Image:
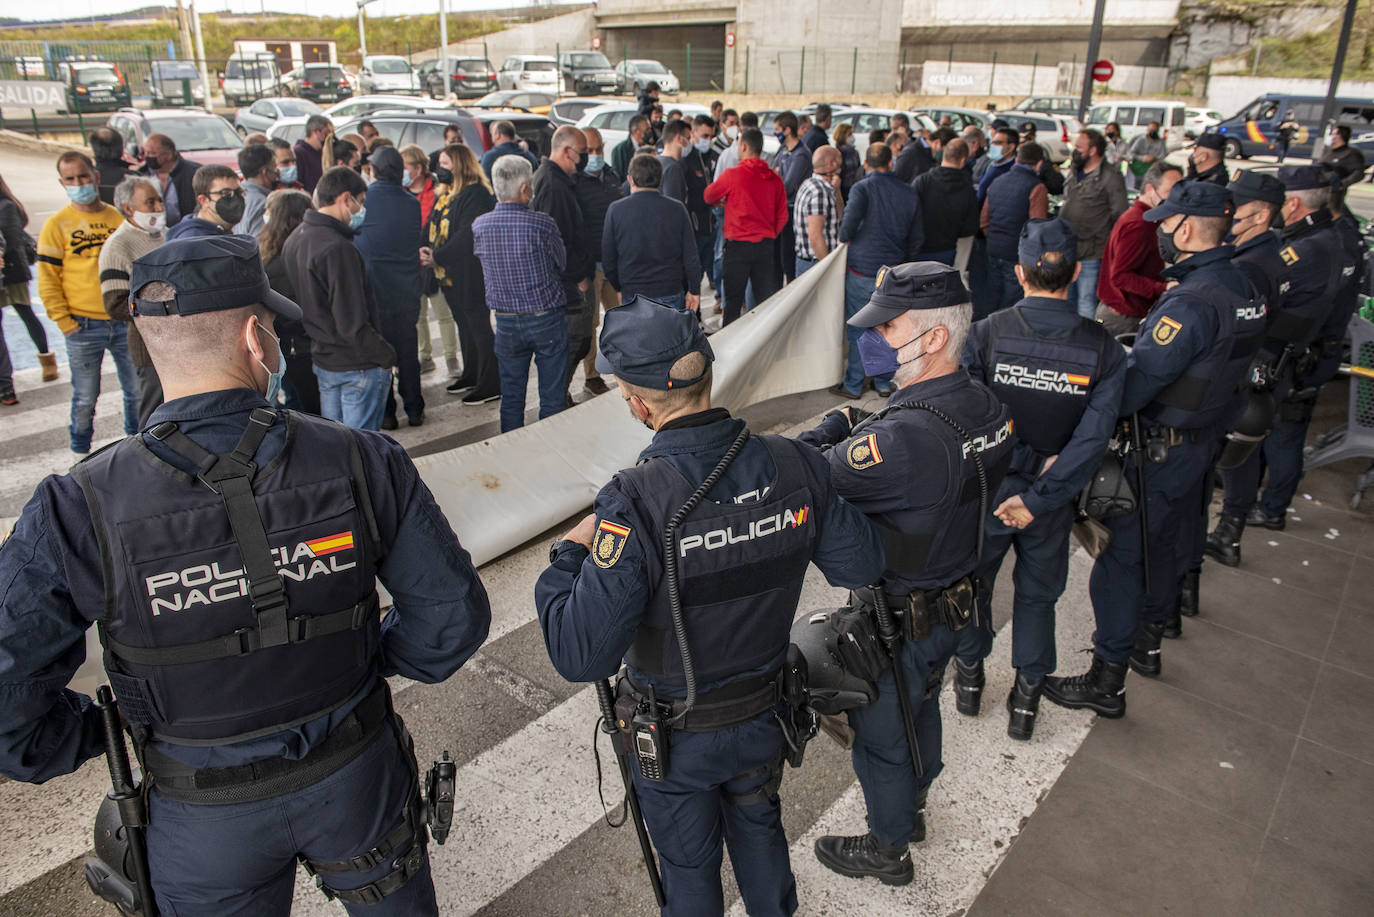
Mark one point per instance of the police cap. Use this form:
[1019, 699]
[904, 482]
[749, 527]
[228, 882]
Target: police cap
[642, 339]
[1304, 178]
[1256, 186]
[1196, 199]
[914, 285]
[209, 274]
[1041, 236]
[1211, 140]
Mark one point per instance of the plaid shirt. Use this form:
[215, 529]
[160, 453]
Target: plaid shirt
[815, 198]
[522, 258]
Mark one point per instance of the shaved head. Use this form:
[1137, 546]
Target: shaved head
[825, 158]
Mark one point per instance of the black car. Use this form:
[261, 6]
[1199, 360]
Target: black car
[94, 86]
[587, 73]
[469, 77]
[426, 129]
[169, 80]
[321, 83]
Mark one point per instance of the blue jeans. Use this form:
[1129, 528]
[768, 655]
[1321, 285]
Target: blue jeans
[542, 336]
[676, 300]
[858, 289]
[1003, 290]
[706, 254]
[355, 398]
[86, 348]
[804, 265]
[1083, 291]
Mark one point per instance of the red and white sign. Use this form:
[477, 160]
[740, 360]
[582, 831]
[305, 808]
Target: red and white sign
[1103, 70]
[729, 39]
[596, 42]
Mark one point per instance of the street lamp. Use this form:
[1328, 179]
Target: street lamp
[443, 44]
[362, 37]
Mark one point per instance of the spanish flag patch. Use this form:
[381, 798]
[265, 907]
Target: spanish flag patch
[863, 453]
[608, 543]
[330, 544]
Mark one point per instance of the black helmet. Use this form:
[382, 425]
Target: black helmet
[1250, 431]
[1108, 494]
[110, 872]
[830, 686]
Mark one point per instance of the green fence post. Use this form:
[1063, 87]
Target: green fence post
[992, 78]
[854, 72]
[901, 73]
[746, 69]
[801, 76]
[1035, 64]
[688, 87]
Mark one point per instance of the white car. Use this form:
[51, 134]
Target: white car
[361, 106]
[288, 129]
[1199, 120]
[535, 72]
[387, 73]
[613, 119]
[866, 120]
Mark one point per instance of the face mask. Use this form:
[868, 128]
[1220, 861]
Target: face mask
[582, 159]
[150, 222]
[1153, 135]
[406, 178]
[731, 132]
[287, 174]
[595, 163]
[82, 194]
[443, 176]
[230, 208]
[879, 357]
[266, 218]
[1078, 159]
[780, 136]
[1168, 249]
[356, 220]
[995, 153]
[151, 161]
[274, 378]
[703, 146]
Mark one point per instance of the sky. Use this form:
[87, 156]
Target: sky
[70, 9]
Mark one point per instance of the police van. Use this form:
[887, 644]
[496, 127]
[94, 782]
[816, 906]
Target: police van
[1254, 130]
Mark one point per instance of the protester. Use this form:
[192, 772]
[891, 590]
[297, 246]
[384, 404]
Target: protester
[140, 203]
[351, 357]
[977, 162]
[18, 255]
[309, 151]
[453, 133]
[69, 285]
[949, 204]
[107, 146]
[368, 130]
[1094, 198]
[420, 183]
[727, 131]
[625, 150]
[851, 168]
[257, 139]
[505, 142]
[459, 273]
[793, 165]
[913, 159]
[284, 157]
[1130, 282]
[258, 166]
[596, 187]
[1116, 146]
[523, 256]
[220, 202]
[389, 239]
[698, 166]
[819, 208]
[755, 214]
[648, 99]
[648, 247]
[554, 195]
[175, 175]
[1013, 198]
[817, 136]
[1347, 161]
[677, 139]
[286, 208]
[1145, 150]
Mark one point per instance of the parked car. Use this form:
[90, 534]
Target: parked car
[362, 106]
[586, 73]
[288, 129]
[960, 118]
[468, 78]
[810, 107]
[426, 129]
[1050, 105]
[387, 73]
[93, 85]
[1051, 132]
[1200, 120]
[865, 120]
[633, 75]
[168, 81]
[1134, 117]
[250, 76]
[613, 119]
[199, 135]
[319, 83]
[515, 99]
[262, 114]
[529, 71]
[570, 111]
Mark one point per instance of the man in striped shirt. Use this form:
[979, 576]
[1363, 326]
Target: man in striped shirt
[818, 208]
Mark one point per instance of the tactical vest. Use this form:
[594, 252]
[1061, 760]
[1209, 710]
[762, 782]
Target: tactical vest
[740, 568]
[1260, 261]
[235, 606]
[1044, 381]
[1311, 248]
[1207, 392]
[1008, 210]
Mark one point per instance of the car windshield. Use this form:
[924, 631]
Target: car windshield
[241, 69]
[471, 63]
[295, 108]
[593, 59]
[650, 66]
[175, 70]
[539, 65]
[199, 132]
[96, 75]
[390, 65]
[322, 73]
[492, 100]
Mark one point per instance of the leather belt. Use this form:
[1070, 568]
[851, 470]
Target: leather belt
[729, 705]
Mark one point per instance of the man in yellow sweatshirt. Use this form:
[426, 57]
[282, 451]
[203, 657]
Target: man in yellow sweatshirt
[69, 285]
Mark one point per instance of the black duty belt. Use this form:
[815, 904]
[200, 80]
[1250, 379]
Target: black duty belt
[272, 776]
[730, 705]
[952, 605]
[1173, 436]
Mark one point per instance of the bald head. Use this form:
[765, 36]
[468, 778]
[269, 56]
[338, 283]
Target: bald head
[826, 159]
[567, 147]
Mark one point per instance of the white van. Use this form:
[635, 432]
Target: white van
[1134, 115]
[248, 77]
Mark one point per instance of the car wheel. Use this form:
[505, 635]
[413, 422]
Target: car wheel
[1233, 149]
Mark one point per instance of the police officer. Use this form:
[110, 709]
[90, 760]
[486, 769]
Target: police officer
[228, 555]
[925, 470]
[1062, 378]
[740, 555]
[1184, 380]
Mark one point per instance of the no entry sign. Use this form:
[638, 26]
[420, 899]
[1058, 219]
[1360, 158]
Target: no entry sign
[1103, 70]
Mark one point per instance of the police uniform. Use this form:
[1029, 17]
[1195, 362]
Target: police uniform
[1217, 174]
[914, 470]
[1184, 380]
[1062, 378]
[741, 554]
[228, 555]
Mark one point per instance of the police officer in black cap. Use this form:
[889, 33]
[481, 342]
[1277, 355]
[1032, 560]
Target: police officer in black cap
[229, 556]
[1185, 381]
[1062, 377]
[925, 470]
[748, 514]
[1208, 161]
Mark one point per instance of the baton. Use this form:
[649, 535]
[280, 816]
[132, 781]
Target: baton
[622, 754]
[133, 812]
[1138, 447]
[891, 635]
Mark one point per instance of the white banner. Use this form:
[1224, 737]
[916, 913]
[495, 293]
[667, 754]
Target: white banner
[40, 95]
[502, 491]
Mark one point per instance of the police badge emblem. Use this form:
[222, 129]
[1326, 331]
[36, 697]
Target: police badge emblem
[608, 543]
[863, 453]
[1166, 330]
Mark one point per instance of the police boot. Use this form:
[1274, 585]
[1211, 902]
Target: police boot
[1173, 625]
[1145, 658]
[1272, 523]
[1023, 703]
[918, 833]
[1223, 544]
[1187, 597]
[865, 855]
[968, 687]
[1101, 689]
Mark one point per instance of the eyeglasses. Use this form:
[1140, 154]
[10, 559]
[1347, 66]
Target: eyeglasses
[225, 192]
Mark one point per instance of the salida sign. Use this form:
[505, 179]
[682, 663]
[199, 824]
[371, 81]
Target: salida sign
[40, 95]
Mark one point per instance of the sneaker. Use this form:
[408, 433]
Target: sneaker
[844, 392]
[8, 397]
[595, 385]
[479, 398]
[884, 388]
[864, 855]
[426, 366]
[458, 386]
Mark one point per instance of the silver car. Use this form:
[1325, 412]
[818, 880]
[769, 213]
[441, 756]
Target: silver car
[262, 115]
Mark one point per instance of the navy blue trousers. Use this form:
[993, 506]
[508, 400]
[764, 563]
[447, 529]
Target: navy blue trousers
[1281, 456]
[239, 860]
[690, 818]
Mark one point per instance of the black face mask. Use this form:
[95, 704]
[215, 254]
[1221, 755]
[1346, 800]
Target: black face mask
[582, 161]
[1168, 249]
[229, 208]
[1078, 159]
[443, 176]
[1153, 135]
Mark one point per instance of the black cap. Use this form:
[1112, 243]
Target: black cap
[1211, 140]
[1027, 126]
[209, 274]
[914, 285]
[387, 165]
[1041, 236]
[1196, 199]
[1304, 178]
[641, 340]
[1255, 186]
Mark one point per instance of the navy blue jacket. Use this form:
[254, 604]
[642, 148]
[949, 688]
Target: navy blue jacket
[1008, 202]
[590, 613]
[192, 226]
[52, 591]
[509, 148]
[994, 171]
[648, 247]
[815, 138]
[390, 240]
[794, 166]
[882, 224]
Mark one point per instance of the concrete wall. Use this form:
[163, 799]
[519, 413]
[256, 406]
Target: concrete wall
[975, 78]
[571, 31]
[817, 47]
[926, 13]
[1227, 94]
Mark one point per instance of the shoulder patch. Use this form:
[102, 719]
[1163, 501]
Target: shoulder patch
[608, 543]
[863, 453]
[1166, 330]
[1289, 255]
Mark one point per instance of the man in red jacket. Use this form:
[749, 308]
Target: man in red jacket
[755, 212]
[1130, 281]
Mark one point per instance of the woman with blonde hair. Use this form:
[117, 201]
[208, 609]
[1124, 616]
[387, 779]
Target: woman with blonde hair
[419, 182]
[460, 273]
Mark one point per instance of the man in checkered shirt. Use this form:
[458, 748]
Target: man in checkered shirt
[818, 209]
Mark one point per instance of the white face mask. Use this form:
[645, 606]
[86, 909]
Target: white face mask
[150, 222]
[731, 132]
